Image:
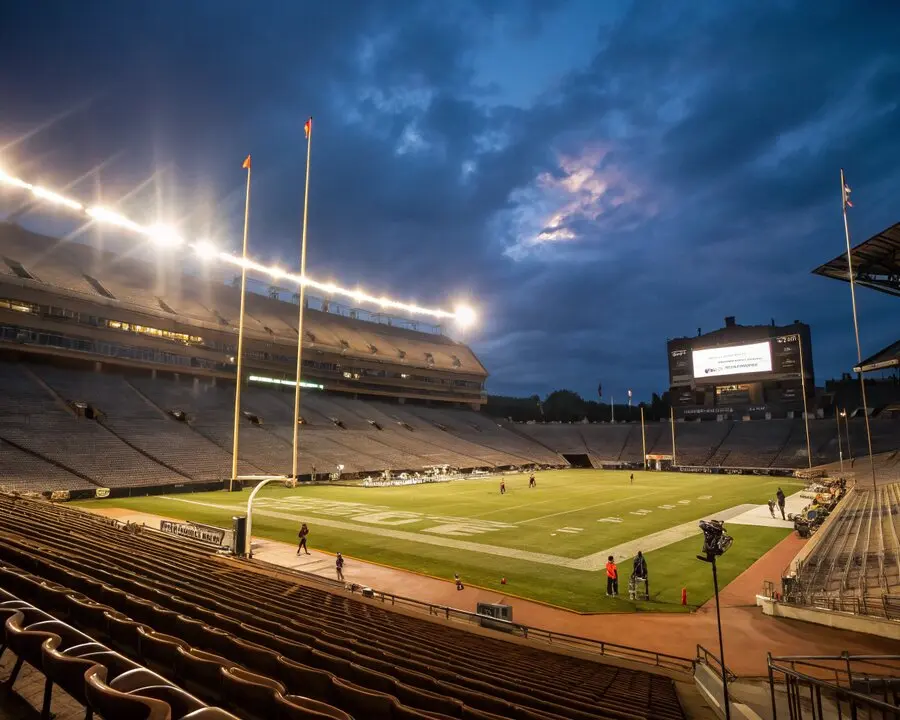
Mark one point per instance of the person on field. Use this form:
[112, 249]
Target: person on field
[339, 567]
[612, 578]
[458, 580]
[503, 487]
[639, 567]
[772, 508]
[304, 531]
[780, 497]
[532, 483]
[632, 478]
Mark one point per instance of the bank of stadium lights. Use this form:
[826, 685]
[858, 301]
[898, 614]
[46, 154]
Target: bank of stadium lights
[164, 236]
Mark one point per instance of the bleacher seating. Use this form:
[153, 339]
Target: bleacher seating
[210, 626]
[136, 441]
[857, 554]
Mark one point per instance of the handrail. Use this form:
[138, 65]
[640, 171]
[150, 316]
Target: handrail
[704, 656]
[843, 690]
[600, 647]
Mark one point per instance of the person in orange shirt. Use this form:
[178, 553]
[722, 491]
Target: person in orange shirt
[612, 577]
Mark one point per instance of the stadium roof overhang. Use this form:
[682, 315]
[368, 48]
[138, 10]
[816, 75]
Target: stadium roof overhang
[876, 263]
[887, 358]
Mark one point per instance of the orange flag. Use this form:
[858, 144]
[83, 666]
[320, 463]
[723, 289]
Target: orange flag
[307, 127]
[246, 165]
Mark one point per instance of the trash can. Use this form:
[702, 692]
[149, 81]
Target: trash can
[239, 535]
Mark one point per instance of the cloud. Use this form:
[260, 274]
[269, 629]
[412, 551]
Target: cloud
[676, 164]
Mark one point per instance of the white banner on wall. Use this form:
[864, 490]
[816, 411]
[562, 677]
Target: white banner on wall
[734, 360]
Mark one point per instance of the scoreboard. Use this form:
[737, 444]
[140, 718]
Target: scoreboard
[741, 366]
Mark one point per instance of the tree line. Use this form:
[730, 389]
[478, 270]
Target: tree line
[569, 406]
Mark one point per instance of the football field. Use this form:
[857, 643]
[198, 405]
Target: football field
[550, 542]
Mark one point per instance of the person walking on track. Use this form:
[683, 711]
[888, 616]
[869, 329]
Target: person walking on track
[304, 531]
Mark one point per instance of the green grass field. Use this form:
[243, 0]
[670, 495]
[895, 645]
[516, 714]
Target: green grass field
[545, 541]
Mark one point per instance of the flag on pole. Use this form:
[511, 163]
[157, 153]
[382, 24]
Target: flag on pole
[246, 165]
[307, 127]
[847, 202]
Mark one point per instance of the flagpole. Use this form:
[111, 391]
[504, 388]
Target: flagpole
[240, 346]
[643, 437]
[612, 409]
[862, 382]
[805, 411]
[296, 443]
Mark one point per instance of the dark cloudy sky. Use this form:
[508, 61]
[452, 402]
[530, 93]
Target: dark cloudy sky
[597, 176]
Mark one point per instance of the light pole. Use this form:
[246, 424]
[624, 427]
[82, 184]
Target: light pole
[672, 423]
[805, 410]
[847, 430]
[643, 437]
[837, 420]
[715, 543]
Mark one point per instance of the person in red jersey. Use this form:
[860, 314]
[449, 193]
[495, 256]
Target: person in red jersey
[612, 577]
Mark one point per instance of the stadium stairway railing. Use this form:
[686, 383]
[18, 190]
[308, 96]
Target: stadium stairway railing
[854, 686]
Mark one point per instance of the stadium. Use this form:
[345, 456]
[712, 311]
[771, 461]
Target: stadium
[147, 568]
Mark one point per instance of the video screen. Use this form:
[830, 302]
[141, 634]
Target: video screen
[734, 360]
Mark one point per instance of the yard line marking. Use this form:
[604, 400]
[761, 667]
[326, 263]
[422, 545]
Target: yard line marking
[542, 558]
[589, 563]
[589, 507]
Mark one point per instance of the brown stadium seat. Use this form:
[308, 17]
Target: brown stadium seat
[24, 642]
[251, 695]
[314, 683]
[66, 671]
[201, 672]
[362, 703]
[110, 703]
[180, 702]
[297, 707]
[157, 651]
[123, 633]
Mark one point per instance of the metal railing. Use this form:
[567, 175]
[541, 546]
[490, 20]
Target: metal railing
[563, 640]
[886, 606]
[714, 663]
[819, 686]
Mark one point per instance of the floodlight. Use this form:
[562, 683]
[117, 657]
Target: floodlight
[465, 316]
[55, 198]
[205, 249]
[165, 236]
